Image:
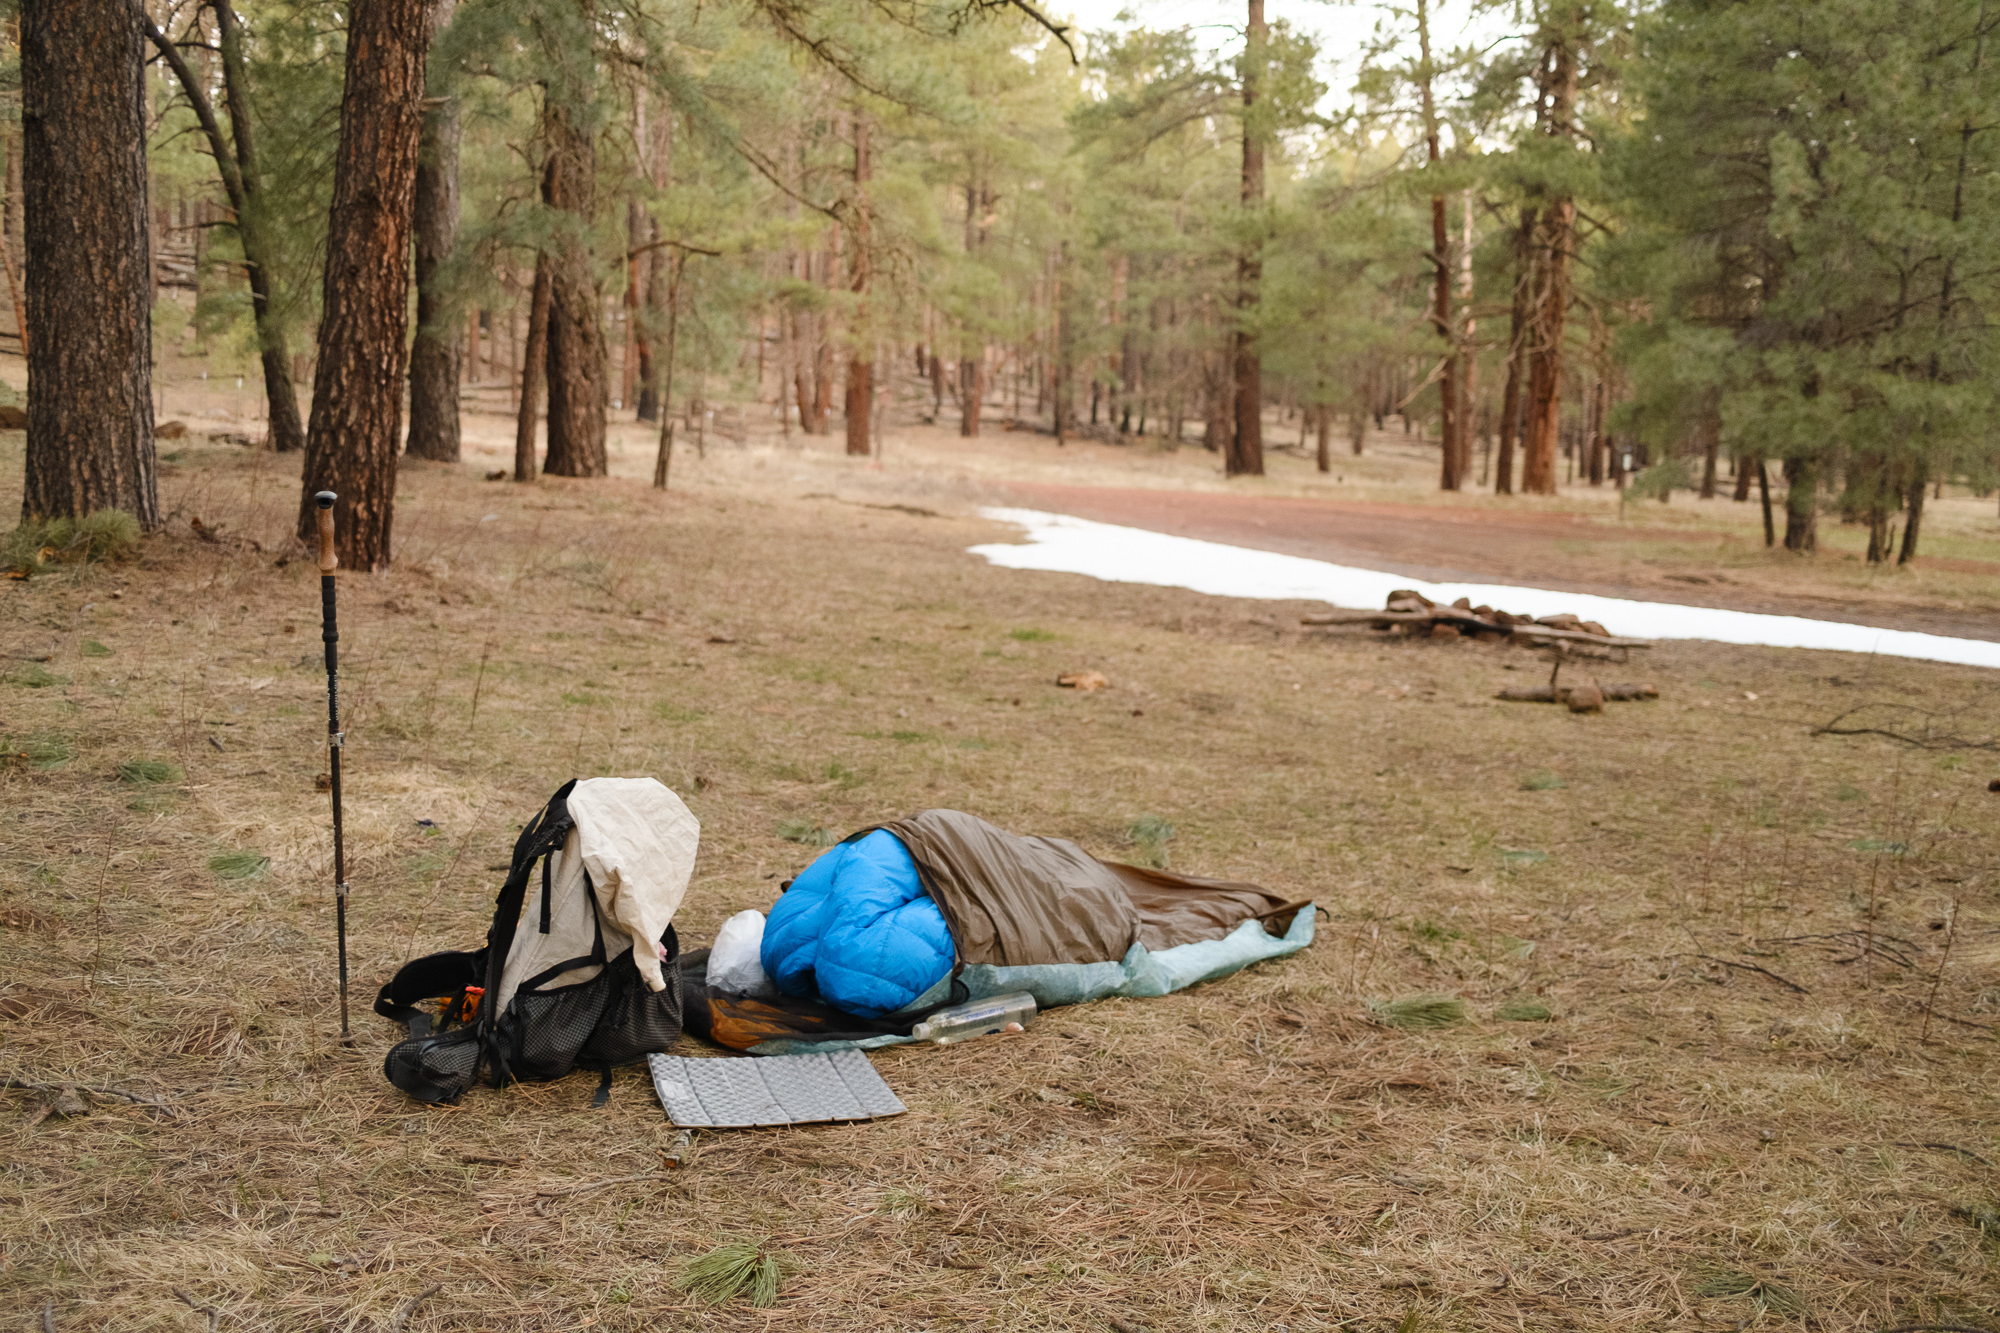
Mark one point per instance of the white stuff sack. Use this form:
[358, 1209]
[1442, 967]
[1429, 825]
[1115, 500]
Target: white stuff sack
[735, 964]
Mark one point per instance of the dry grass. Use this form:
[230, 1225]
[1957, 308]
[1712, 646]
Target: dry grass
[1735, 1096]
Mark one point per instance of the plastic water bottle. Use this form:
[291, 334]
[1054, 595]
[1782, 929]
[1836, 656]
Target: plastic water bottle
[963, 1022]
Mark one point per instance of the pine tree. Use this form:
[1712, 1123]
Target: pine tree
[89, 260]
[352, 438]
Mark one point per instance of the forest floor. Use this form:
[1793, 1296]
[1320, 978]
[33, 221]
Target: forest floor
[1763, 1091]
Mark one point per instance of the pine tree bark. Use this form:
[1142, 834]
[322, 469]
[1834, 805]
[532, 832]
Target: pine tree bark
[1554, 248]
[1919, 481]
[434, 359]
[89, 261]
[860, 366]
[357, 392]
[1802, 504]
[1510, 398]
[972, 369]
[1244, 454]
[530, 406]
[1451, 455]
[578, 361]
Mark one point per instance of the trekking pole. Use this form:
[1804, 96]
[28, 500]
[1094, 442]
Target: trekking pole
[329, 631]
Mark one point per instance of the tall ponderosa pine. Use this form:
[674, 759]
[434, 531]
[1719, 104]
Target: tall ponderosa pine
[354, 433]
[89, 260]
[578, 358]
[238, 166]
[861, 359]
[434, 356]
[1243, 452]
[1552, 245]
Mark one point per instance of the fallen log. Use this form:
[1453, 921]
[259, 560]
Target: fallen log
[1444, 615]
[1559, 694]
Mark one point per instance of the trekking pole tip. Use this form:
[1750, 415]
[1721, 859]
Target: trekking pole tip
[328, 561]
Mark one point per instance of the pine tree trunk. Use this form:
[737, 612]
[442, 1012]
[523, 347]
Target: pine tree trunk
[286, 428]
[1545, 350]
[1801, 504]
[1919, 480]
[357, 393]
[860, 366]
[243, 182]
[1244, 455]
[578, 362]
[530, 406]
[89, 261]
[1554, 248]
[434, 359]
[1510, 398]
[660, 145]
[1600, 443]
[1450, 454]
[635, 338]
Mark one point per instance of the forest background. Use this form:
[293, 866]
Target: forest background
[1678, 243]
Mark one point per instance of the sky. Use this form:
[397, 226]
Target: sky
[1344, 27]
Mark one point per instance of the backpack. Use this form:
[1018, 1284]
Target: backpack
[589, 1010]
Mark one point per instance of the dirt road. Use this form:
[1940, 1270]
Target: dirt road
[1544, 550]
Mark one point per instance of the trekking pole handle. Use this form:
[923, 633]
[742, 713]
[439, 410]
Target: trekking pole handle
[328, 561]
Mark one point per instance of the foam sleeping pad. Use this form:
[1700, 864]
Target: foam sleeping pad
[857, 930]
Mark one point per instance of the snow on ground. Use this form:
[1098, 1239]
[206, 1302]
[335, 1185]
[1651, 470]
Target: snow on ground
[1061, 544]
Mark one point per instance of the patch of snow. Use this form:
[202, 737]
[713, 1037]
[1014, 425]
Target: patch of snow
[1061, 544]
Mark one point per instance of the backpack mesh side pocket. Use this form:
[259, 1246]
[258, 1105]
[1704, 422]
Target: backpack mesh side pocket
[636, 1020]
[437, 1068]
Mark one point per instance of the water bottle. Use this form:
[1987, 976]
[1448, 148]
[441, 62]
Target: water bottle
[963, 1022]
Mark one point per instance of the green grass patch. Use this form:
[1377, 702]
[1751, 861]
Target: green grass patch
[667, 711]
[728, 1271]
[1766, 1293]
[239, 865]
[40, 545]
[806, 833]
[1524, 1009]
[1150, 834]
[35, 676]
[92, 648]
[1031, 636]
[41, 751]
[148, 772]
[1543, 781]
[1419, 1013]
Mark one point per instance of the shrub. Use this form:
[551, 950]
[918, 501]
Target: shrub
[40, 544]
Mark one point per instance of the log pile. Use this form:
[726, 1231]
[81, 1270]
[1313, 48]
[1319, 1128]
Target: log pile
[1412, 613]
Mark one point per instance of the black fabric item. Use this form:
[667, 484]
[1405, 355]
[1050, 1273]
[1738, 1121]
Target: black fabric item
[427, 978]
[742, 1022]
[609, 1020]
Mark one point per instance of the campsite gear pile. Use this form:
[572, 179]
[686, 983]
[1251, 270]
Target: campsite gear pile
[939, 927]
[581, 966]
[1411, 613]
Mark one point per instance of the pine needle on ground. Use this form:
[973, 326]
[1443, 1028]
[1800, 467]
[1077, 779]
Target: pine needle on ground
[1418, 1013]
[729, 1270]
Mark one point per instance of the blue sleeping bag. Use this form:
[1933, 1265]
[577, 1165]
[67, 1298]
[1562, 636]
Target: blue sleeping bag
[857, 930]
